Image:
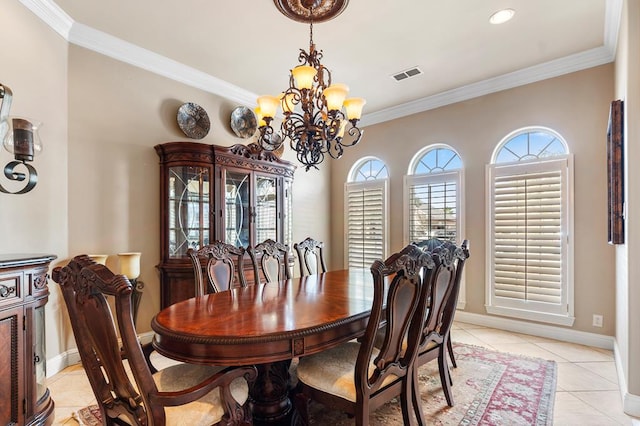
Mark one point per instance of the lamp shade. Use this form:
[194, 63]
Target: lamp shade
[268, 105]
[99, 258]
[286, 99]
[259, 117]
[335, 95]
[303, 75]
[130, 264]
[354, 108]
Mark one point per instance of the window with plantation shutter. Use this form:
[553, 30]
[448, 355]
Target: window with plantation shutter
[529, 218]
[433, 195]
[366, 214]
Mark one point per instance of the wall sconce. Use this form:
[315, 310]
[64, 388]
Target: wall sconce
[20, 137]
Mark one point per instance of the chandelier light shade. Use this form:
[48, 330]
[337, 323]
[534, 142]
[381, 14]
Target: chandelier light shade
[316, 112]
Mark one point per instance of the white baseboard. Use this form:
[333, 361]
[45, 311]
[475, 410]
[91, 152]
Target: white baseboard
[630, 402]
[72, 357]
[536, 329]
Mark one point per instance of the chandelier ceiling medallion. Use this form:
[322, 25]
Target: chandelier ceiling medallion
[313, 122]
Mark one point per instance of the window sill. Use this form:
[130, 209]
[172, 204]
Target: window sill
[549, 318]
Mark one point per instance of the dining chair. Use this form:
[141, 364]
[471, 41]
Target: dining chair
[270, 261]
[430, 245]
[222, 271]
[449, 261]
[310, 256]
[356, 377]
[180, 394]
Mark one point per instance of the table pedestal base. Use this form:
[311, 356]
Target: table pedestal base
[269, 394]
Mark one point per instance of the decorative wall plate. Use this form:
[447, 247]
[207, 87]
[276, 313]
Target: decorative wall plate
[193, 120]
[243, 122]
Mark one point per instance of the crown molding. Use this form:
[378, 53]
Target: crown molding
[108, 45]
[103, 43]
[51, 14]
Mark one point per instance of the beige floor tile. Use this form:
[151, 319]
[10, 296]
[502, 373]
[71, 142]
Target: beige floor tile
[64, 416]
[608, 403]
[572, 377]
[577, 353]
[466, 325]
[606, 369]
[528, 349]
[572, 411]
[71, 390]
[491, 336]
[463, 336]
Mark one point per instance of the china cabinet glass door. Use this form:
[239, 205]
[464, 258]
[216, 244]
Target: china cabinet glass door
[266, 214]
[188, 209]
[236, 208]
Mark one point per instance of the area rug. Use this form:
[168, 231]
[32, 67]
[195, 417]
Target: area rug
[489, 388]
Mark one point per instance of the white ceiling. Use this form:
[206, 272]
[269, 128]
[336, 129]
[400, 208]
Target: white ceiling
[242, 48]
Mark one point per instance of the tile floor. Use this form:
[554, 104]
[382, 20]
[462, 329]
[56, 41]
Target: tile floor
[587, 391]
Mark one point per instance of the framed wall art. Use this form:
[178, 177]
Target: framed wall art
[615, 173]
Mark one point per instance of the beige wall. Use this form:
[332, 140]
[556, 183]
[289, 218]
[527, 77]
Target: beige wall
[574, 105]
[627, 331]
[34, 65]
[117, 113]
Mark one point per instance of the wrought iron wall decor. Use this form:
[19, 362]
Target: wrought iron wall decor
[20, 137]
[615, 173]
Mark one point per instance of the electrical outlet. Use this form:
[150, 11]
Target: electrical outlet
[597, 320]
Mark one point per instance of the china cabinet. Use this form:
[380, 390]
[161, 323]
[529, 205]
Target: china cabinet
[23, 294]
[240, 195]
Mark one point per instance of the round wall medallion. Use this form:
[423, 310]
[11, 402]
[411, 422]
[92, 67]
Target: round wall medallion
[243, 122]
[323, 10]
[193, 120]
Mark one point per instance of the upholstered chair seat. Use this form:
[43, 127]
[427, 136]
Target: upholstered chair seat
[332, 371]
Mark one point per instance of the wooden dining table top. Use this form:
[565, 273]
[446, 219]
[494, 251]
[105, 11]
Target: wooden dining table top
[267, 322]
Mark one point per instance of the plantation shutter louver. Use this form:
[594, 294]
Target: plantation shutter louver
[365, 223]
[528, 237]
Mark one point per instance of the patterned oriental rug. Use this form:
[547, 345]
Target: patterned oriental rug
[489, 388]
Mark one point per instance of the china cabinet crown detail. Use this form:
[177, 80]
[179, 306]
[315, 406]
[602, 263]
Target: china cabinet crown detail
[240, 195]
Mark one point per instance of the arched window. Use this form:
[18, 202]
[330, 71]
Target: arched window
[366, 213]
[433, 194]
[530, 226]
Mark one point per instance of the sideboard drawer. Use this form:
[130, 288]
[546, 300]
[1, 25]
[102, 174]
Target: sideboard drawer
[11, 287]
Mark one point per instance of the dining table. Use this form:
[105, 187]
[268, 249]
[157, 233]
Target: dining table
[267, 325]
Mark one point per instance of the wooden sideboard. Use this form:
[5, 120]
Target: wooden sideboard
[24, 397]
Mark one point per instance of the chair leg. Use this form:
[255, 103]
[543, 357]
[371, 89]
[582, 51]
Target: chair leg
[445, 377]
[301, 408]
[416, 402]
[407, 401]
[450, 350]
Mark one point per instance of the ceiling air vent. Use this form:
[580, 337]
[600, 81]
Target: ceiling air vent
[403, 75]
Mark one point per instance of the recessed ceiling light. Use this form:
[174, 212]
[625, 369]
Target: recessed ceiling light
[502, 16]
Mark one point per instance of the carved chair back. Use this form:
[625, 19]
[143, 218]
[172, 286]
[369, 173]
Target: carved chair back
[223, 267]
[270, 261]
[443, 289]
[84, 285]
[310, 256]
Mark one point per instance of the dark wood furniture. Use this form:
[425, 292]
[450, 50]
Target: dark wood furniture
[240, 195]
[24, 397]
[357, 377]
[270, 260]
[443, 291]
[310, 256]
[180, 394]
[267, 325]
[221, 271]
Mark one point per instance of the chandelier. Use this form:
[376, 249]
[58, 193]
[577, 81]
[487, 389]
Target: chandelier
[314, 123]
